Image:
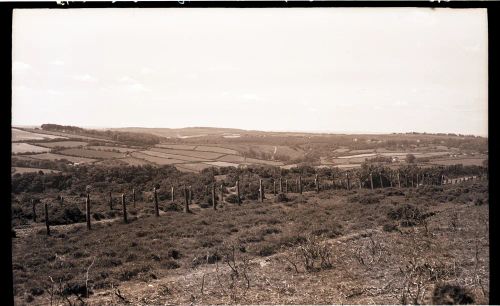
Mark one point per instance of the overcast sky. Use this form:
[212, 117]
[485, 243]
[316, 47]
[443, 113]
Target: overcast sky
[296, 69]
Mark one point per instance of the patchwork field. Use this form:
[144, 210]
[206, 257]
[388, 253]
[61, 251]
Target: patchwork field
[193, 153]
[52, 135]
[222, 164]
[176, 147]
[53, 156]
[155, 159]
[92, 153]
[111, 148]
[21, 135]
[175, 156]
[21, 147]
[215, 149]
[62, 144]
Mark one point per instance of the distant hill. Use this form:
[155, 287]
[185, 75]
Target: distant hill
[185, 132]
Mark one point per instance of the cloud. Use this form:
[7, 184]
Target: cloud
[20, 66]
[252, 97]
[400, 103]
[85, 78]
[138, 87]
[192, 76]
[57, 63]
[54, 92]
[146, 70]
[127, 79]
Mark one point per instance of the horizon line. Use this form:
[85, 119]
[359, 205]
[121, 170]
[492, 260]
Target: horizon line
[330, 132]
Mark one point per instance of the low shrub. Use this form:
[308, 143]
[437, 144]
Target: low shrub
[408, 215]
[266, 249]
[170, 264]
[232, 198]
[390, 227]
[446, 294]
[281, 197]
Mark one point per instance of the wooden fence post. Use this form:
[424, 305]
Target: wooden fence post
[47, 219]
[316, 183]
[222, 193]
[300, 184]
[157, 211]
[261, 191]
[62, 200]
[281, 185]
[399, 180]
[172, 194]
[214, 201]
[381, 181]
[186, 204]
[124, 205]
[238, 192]
[110, 201]
[87, 211]
[360, 184]
[286, 186]
[348, 182]
[133, 196]
[34, 209]
[190, 195]
[371, 180]
[274, 187]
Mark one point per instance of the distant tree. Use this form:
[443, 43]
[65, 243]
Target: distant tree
[410, 158]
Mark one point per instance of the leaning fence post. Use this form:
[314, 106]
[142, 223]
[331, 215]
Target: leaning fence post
[87, 211]
[371, 180]
[124, 205]
[186, 196]
[261, 191]
[155, 197]
[47, 219]
[238, 192]
[214, 201]
[34, 209]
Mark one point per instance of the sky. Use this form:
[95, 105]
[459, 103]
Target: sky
[375, 70]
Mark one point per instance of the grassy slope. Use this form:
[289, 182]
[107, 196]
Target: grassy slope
[159, 260]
